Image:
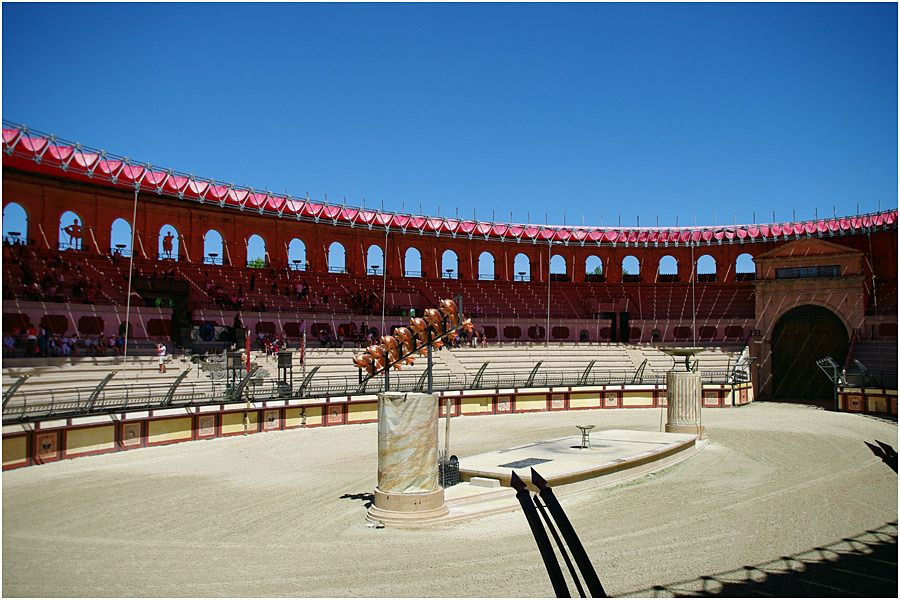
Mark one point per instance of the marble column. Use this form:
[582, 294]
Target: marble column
[684, 394]
[408, 488]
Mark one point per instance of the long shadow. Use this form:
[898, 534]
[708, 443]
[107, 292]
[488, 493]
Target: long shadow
[366, 497]
[864, 565]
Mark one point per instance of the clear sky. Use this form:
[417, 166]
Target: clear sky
[706, 111]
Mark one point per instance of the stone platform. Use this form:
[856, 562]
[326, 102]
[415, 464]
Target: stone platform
[564, 461]
[616, 455]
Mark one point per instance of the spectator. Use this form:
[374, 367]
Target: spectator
[161, 354]
[31, 337]
[9, 345]
[43, 341]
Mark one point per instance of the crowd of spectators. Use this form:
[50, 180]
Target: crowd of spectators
[53, 279]
[31, 342]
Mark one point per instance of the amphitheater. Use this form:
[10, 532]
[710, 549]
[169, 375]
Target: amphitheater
[249, 473]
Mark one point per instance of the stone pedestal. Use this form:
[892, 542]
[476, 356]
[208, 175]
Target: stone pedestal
[684, 394]
[408, 489]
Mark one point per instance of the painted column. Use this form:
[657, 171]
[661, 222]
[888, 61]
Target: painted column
[684, 393]
[408, 489]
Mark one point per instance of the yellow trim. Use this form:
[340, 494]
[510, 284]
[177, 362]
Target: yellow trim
[90, 439]
[475, 404]
[642, 398]
[15, 450]
[531, 402]
[167, 430]
[233, 422]
[585, 400]
[362, 411]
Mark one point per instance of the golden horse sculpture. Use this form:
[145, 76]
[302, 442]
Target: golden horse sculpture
[443, 322]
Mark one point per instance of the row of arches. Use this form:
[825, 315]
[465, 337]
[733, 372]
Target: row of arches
[71, 235]
[668, 265]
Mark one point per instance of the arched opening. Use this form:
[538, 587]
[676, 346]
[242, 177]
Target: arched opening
[558, 268]
[593, 269]
[631, 269]
[668, 269]
[15, 223]
[375, 260]
[745, 267]
[256, 252]
[802, 336]
[336, 258]
[449, 265]
[120, 238]
[706, 268]
[213, 247]
[168, 242]
[522, 267]
[297, 255]
[412, 263]
[486, 266]
[71, 231]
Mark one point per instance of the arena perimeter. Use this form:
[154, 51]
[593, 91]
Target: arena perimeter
[282, 515]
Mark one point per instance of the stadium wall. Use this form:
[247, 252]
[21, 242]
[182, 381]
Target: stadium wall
[52, 440]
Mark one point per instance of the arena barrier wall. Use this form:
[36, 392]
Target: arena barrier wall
[51, 440]
[867, 400]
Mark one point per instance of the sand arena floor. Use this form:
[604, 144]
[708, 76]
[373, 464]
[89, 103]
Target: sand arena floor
[281, 514]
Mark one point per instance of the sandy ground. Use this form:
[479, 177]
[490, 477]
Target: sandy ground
[268, 514]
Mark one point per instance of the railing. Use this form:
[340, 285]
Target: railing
[27, 406]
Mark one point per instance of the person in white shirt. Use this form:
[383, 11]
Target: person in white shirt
[161, 353]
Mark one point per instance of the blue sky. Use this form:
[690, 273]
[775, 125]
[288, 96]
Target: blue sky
[701, 111]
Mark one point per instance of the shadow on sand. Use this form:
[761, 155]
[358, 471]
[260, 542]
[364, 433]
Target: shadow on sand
[864, 565]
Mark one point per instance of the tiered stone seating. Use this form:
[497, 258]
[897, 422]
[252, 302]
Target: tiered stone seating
[880, 359]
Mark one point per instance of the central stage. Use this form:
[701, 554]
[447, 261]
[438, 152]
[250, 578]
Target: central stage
[563, 460]
[615, 455]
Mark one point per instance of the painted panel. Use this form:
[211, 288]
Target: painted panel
[47, 446]
[531, 402]
[362, 411]
[710, 398]
[878, 404]
[233, 422]
[131, 434]
[15, 450]
[584, 400]
[90, 439]
[854, 402]
[504, 404]
[642, 398]
[334, 415]
[206, 425]
[169, 430]
[272, 419]
[472, 405]
[557, 402]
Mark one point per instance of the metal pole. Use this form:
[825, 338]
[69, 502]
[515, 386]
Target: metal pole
[303, 355]
[130, 271]
[428, 368]
[693, 296]
[384, 259]
[549, 266]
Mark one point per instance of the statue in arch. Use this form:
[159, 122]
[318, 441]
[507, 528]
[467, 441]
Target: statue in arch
[74, 231]
[167, 244]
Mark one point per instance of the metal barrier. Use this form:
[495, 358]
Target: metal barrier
[23, 405]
